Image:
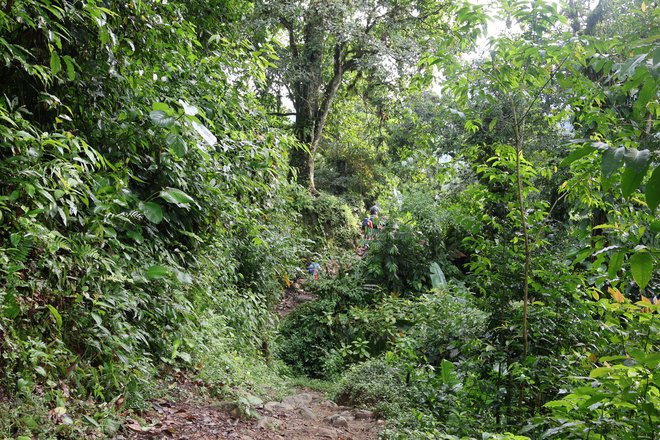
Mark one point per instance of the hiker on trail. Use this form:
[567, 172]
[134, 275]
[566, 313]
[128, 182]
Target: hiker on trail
[314, 268]
[367, 227]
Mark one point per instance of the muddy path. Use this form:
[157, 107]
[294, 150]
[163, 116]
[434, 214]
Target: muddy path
[305, 415]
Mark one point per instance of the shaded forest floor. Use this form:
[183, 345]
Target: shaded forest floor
[305, 414]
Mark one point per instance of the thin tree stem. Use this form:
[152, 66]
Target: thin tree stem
[523, 224]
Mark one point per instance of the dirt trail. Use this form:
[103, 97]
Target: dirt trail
[304, 415]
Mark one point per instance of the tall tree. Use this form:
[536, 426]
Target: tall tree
[323, 41]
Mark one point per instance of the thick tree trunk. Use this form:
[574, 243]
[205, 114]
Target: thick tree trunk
[313, 104]
[306, 94]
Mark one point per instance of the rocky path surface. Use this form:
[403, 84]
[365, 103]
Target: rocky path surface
[305, 415]
[302, 416]
[309, 415]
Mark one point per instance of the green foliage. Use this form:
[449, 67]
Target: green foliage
[329, 221]
[310, 337]
[136, 196]
[376, 384]
[399, 258]
[225, 365]
[148, 223]
[619, 397]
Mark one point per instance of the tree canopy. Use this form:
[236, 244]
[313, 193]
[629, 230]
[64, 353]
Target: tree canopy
[171, 171]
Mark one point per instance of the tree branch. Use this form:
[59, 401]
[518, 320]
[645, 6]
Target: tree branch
[329, 95]
[292, 37]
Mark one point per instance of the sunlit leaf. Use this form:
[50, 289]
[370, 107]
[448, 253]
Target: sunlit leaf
[188, 109]
[56, 315]
[161, 118]
[205, 133]
[616, 261]
[616, 294]
[157, 272]
[55, 63]
[641, 265]
[70, 70]
[612, 159]
[152, 211]
[177, 197]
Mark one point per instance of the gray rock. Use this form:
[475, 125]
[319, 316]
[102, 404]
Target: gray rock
[348, 415]
[277, 406]
[363, 414]
[328, 404]
[338, 420]
[269, 423]
[271, 406]
[298, 400]
[327, 433]
[307, 413]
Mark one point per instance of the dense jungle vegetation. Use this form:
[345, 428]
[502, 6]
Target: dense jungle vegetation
[168, 168]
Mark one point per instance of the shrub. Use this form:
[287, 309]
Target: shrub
[376, 384]
[331, 221]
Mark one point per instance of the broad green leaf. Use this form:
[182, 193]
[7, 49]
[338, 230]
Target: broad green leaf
[438, 279]
[612, 159]
[205, 133]
[11, 308]
[655, 226]
[637, 162]
[135, 235]
[578, 154]
[157, 272]
[582, 254]
[161, 118]
[70, 70]
[177, 144]
[652, 191]
[630, 181]
[177, 197]
[161, 106]
[56, 315]
[616, 261]
[152, 211]
[55, 63]
[601, 371]
[641, 265]
[184, 356]
[637, 159]
[447, 369]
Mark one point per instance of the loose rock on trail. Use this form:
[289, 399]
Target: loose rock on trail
[292, 298]
[305, 415]
[302, 416]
